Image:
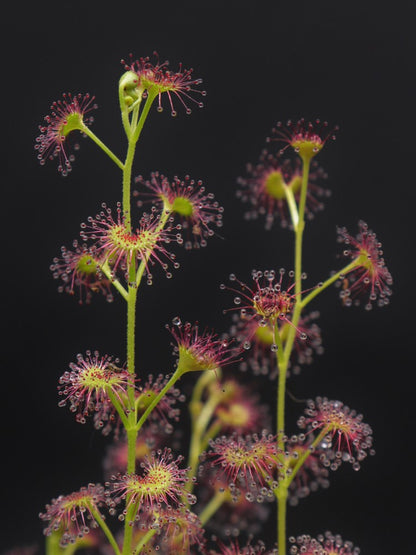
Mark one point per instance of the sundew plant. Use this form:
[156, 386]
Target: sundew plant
[239, 465]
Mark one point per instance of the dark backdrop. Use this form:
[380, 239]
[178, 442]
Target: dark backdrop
[350, 63]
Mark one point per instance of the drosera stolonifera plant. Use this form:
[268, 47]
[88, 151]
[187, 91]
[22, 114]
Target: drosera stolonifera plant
[154, 497]
[272, 323]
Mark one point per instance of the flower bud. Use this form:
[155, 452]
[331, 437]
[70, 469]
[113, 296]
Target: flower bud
[130, 88]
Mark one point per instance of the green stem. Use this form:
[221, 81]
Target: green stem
[305, 455]
[131, 424]
[135, 115]
[132, 432]
[131, 449]
[52, 546]
[131, 418]
[140, 272]
[281, 393]
[283, 358]
[131, 324]
[279, 344]
[128, 164]
[281, 519]
[124, 112]
[132, 508]
[212, 432]
[175, 377]
[300, 227]
[133, 130]
[106, 270]
[354, 264]
[128, 528]
[203, 381]
[148, 535]
[198, 428]
[117, 406]
[282, 363]
[213, 505]
[293, 209]
[146, 108]
[99, 519]
[105, 148]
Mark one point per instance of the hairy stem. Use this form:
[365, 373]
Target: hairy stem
[131, 325]
[131, 428]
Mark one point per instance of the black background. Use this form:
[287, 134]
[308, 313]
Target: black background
[350, 63]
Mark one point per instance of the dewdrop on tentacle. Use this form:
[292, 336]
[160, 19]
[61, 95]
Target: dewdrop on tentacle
[122, 248]
[370, 278]
[306, 138]
[347, 439]
[188, 201]
[79, 270]
[267, 186]
[198, 350]
[67, 115]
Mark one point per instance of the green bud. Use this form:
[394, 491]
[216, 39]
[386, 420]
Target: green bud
[130, 88]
